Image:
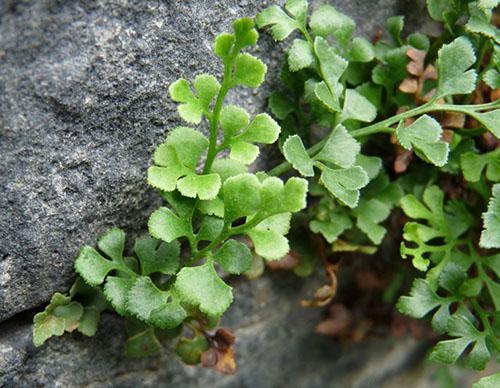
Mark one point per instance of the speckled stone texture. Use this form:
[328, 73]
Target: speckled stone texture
[83, 103]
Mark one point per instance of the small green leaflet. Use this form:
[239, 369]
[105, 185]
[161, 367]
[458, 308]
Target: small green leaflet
[492, 78]
[395, 26]
[202, 287]
[490, 236]
[340, 148]
[234, 257]
[300, 55]
[448, 222]
[480, 22]
[344, 184]
[176, 161]
[248, 71]
[59, 316]
[332, 66]
[361, 51]
[357, 107]
[281, 24]
[326, 20]
[423, 136]
[437, 8]
[193, 106]
[453, 61]
[157, 256]
[473, 164]
[190, 350]
[154, 306]
[296, 154]
[164, 225]
[268, 237]
[447, 352]
[490, 120]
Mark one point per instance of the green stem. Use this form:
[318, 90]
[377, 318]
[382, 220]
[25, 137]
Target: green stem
[384, 125]
[214, 119]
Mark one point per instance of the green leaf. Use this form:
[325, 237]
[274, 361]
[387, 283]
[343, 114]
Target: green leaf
[296, 154]
[361, 51]
[232, 120]
[331, 229]
[473, 165]
[490, 236]
[332, 66]
[448, 223]
[112, 244]
[357, 107]
[262, 129]
[59, 316]
[277, 197]
[223, 45]
[210, 229]
[241, 195]
[447, 352]
[157, 256]
[268, 236]
[154, 306]
[453, 61]
[92, 267]
[300, 55]
[248, 71]
[344, 184]
[490, 120]
[190, 350]
[395, 26]
[188, 144]
[143, 344]
[244, 152]
[298, 9]
[201, 287]
[340, 148]
[194, 106]
[480, 22]
[437, 8]
[369, 213]
[163, 224]
[424, 137]
[491, 381]
[116, 290]
[326, 20]
[371, 164]
[492, 78]
[226, 168]
[324, 95]
[234, 257]
[244, 32]
[280, 105]
[178, 156]
[419, 41]
[202, 186]
[281, 24]
[422, 300]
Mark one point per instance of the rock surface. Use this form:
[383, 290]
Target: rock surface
[83, 102]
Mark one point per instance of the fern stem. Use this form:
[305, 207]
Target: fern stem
[384, 125]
